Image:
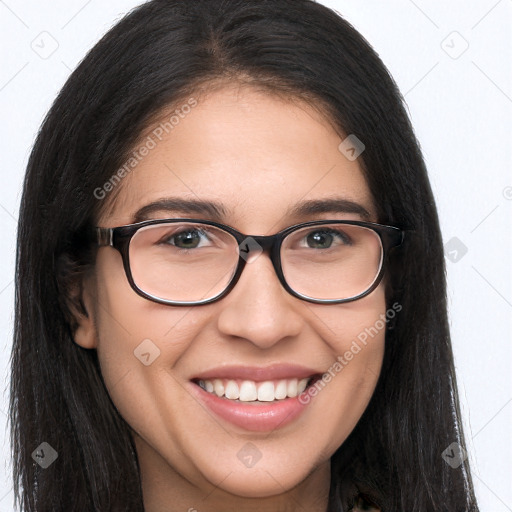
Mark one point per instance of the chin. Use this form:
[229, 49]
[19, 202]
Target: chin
[259, 483]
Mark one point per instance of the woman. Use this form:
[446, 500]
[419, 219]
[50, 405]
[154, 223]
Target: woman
[230, 281]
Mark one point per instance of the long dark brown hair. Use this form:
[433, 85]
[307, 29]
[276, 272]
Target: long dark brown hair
[160, 53]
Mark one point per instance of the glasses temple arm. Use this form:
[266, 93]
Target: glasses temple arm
[104, 236]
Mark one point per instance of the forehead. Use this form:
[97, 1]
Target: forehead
[254, 155]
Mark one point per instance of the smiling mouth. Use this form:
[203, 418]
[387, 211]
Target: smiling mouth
[250, 391]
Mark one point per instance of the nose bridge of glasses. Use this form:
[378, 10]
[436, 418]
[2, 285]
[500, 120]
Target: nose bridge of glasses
[252, 246]
[258, 243]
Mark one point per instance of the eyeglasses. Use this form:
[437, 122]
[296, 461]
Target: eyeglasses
[185, 262]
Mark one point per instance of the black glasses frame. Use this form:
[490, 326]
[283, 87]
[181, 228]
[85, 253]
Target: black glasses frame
[119, 238]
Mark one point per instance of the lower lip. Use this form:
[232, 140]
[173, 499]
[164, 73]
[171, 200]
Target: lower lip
[262, 417]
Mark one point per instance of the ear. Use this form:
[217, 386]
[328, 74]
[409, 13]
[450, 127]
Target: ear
[76, 294]
[85, 328]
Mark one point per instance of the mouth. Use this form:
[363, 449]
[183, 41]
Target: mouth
[258, 399]
[254, 392]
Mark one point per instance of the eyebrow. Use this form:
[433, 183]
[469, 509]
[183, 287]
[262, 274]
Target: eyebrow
[208, 208]
[331, 205]
[217, 211]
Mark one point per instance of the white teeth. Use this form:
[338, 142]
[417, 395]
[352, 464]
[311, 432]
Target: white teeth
[218, 387]
[266, 391]
[232, 392]
[250, 391]
[280, 391]
[302, 385]
[291, 388]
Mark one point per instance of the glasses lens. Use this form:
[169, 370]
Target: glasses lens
[183, 261]
[331, 261]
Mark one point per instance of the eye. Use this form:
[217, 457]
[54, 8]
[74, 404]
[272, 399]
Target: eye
[190, 238]
[325, 238]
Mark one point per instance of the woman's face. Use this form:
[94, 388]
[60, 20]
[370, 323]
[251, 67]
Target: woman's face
[257, 157]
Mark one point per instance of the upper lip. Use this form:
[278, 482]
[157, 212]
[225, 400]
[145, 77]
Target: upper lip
[257, 373]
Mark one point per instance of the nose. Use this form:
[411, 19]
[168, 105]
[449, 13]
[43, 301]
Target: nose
[258, 308]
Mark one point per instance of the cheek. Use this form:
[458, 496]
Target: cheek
[125, 317]
[355, 333]
[133, 337]
[356, 328]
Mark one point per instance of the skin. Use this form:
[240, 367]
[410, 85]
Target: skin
[258, 155]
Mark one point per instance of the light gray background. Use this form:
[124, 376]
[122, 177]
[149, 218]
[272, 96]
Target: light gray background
[460, 102]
